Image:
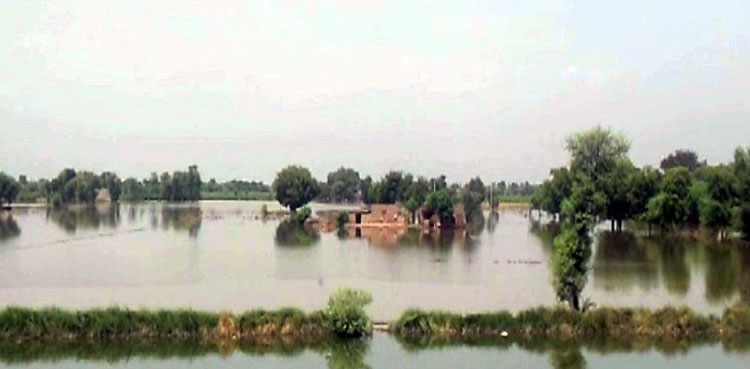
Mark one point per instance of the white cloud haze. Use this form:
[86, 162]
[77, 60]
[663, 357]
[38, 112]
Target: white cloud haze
[242, 88]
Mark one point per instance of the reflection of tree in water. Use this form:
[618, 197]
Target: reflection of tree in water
[674, 267]
[621, 261]
[477, 223]
[723, 272]
[348, 354]
[8, 227]
[291, 233]
[567, 356]
[492, 221]
[546, 232]
[85, 217]
[181, 218]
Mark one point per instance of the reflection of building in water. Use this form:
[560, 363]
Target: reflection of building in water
[384, 236]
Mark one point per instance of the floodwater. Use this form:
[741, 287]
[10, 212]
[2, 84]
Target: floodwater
[221, 256]
[381, 351]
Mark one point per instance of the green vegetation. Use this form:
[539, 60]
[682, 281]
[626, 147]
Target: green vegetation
[9, 189]
[294, 187]
[346, 315]
[440, 203]
[303, 214]
[343, 316]
[666, 323]
[682, 158]
[244, 196]
[235, 190]
[342, 185]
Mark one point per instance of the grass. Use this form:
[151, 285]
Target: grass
[23, 324]
[665, 323]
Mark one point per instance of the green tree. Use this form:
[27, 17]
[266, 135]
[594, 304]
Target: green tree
[390, 189]
[672, 205]
[595, 152]
[9, 189]
[440, 203]
[570, 259]
[113, 184]
[472, 197]
[294, 187]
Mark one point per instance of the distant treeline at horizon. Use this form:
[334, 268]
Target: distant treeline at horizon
[344, 185]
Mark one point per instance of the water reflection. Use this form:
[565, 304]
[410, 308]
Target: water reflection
[623, 261]
[8, 227]
[492, 220]
[291, 233]
[181, 218]
[339, 354]
[85, 217]
[93, 217]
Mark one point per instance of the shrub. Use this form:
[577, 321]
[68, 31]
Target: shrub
[303, 214]
[345, 314]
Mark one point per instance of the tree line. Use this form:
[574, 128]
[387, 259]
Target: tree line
[600, 182]
[71, 186]
[686, 192]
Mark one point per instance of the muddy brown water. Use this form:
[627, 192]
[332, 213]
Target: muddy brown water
[222, 256]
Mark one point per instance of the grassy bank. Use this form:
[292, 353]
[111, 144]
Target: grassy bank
[560, 323]
[343, 316]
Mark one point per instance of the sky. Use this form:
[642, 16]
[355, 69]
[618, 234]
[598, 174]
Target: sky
[461, 88]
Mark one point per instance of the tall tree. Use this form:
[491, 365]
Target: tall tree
[294, 187]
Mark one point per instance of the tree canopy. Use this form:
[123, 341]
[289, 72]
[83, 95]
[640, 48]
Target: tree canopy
[681, 158]
[9, 189]
[294, 187]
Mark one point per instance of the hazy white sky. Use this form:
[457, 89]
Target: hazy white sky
[463, 88]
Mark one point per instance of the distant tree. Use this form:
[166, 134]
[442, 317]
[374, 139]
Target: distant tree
[294, 187]
[133, 190]
[472, 197]
[9, 189]
[416, 194]
[672, 205]
[390, 189]
[365, 186]
[681, 158]
[113, 184]
[619, 188]
[644, 185]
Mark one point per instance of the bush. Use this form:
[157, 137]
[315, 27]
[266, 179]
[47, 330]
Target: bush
[303, 214]
[346, 316]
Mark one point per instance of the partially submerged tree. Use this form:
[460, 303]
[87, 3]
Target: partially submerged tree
[9, 189]
[441, 204]
[294, 187]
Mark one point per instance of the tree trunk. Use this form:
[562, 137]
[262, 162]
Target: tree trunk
[612, 225]
[619, 225]
[574, 303]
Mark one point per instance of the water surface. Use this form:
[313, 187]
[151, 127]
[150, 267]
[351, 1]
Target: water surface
[222, 256]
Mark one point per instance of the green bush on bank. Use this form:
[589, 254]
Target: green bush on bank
[668, 322]
[346, 316]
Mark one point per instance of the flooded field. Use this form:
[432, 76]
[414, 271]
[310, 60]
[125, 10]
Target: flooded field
[222, 256]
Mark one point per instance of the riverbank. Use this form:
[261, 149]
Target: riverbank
[667, 323]
[291, 325]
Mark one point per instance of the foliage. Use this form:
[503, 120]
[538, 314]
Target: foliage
[595, 152]
[391, 188]
[552, 192]
[9, 189]
[342, 186]
[345, 314]
[742, 219]
[681, 158]
[569, 261]
[472, 196]
[673, 203]
[303, 214]
[294, 187]
[440, 203]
